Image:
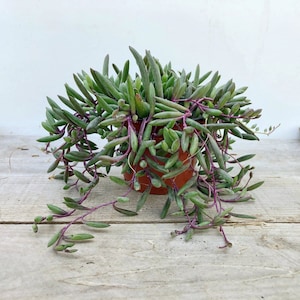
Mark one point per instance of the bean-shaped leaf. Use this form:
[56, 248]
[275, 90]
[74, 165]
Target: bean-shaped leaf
[49, 127]
[201, 160]
[201, 91]
[213, 112]
[125, 211]
[175, 146]
[123, 199]
[141, 150]
[156, 182]
[92, 126]
[56, 210]
[96, 224]
[255, 186]
[78, 108]
[156, 166]
[245, 157]
[143, 198]
[176, 172]
[75, 120]
[111, 121]
[216, 150]
[131, 95]
[203, 77]
[172, 104]
[77, 156]
[109, 86]
[184, 141]
[116, 142]
[156, 74]
[172, 160]
[147, 132]
[103, 104]
[165, 209]
[225, 176]
[82, 177]
[83, 90]
[75, 205]
[133, 140]
[187, 185]
[251, 137]
[79, 237]
[50, 138]
[197, 125]
[168, 114]
[194, 144]
[71, 92]
[197, 201]
[54, 239]
[242, 216]
[63, 247]
[160, 122]
[217, 126]
[189, 234]
[53, 166]
[142, 67]
[118, 180]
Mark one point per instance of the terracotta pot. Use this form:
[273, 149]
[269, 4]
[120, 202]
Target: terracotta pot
[177, 182]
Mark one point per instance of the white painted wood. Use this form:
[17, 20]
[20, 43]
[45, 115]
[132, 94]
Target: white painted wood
[27, 188]
[142, 261]
[136, 258]
[26, 196]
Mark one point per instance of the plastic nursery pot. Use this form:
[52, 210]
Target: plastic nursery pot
[177, 181]
[145, 181]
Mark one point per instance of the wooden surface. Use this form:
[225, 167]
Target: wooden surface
[135, 258]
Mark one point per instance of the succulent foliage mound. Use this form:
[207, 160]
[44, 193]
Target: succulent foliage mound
[158, 111]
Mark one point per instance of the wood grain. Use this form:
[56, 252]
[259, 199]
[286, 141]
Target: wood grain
[135, 258]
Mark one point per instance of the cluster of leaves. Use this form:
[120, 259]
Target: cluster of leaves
[161, 112]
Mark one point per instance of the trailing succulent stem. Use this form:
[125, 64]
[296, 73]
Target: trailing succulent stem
[148, 120]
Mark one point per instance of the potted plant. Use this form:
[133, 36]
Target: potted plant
[169, 132]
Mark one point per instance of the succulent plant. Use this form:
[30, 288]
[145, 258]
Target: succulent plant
[146, 120]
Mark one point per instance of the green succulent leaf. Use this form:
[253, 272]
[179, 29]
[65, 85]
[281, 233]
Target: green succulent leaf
[142, 200]
[242, 216]
[123, 199]
[77, 156]
[187, 185]
[255, 186]
[63, 247]
[126, 212]
[75, 205]
[118, 180]
[54, 239]
[156, 74]
[81, 177]
[84, 91]
[143, 70]
[216, 150]
[78, 237]
[189, 234]
[56, 210]
[50, 138]
[165, 209]
[96, 224]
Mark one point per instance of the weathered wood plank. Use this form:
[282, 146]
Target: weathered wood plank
[273, 157]
[141, 261]
[22, 154]
[25, 188]
[24, 197]
[136, 260]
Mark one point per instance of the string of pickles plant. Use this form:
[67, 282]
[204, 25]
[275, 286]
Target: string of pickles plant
[147, 121]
